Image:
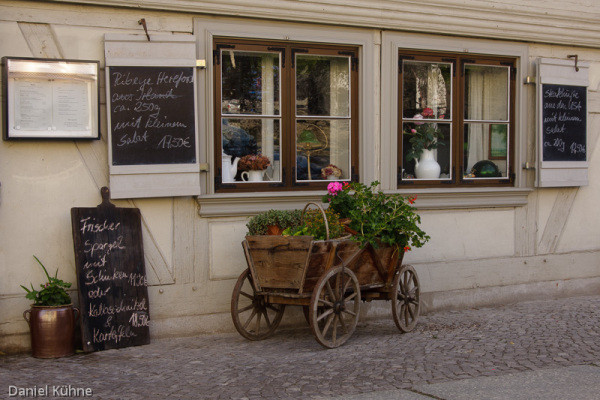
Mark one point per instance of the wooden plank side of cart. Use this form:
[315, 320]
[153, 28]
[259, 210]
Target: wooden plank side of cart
[287, 268]
[374, 268]
[277, 262]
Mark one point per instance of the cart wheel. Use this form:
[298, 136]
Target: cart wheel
[306, 312]
[253, 317]
[406, 304]
[334, 307]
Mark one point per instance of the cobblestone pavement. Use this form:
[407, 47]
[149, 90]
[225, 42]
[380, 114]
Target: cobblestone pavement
[444, 347]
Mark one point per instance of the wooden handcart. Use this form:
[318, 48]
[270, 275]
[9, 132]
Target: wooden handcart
[329, 278]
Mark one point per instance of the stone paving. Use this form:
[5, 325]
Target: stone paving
[444, 347]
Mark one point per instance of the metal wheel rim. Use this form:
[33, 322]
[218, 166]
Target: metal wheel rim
[334, 308]
[253, 317]
[406, 297]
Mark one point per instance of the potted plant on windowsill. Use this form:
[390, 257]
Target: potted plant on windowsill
[424, 138]
[331, 172]
[51, 318]
[253, 167]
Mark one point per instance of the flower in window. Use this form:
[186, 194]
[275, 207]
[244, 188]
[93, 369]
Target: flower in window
[424, 135]
[331, 170]
[253, 162]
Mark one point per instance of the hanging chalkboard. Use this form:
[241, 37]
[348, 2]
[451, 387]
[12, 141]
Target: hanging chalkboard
[152, 116]
[564, 118]
[111, 276]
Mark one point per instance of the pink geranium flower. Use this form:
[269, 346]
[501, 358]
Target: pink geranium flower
[334, 187]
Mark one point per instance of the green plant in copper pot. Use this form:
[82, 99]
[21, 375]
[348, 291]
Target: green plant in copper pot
[51, 318]
[52, 293]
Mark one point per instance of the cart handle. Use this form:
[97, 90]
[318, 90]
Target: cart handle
[322, 212]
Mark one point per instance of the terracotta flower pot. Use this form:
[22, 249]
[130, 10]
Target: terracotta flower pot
[274, 230]
[52, 330]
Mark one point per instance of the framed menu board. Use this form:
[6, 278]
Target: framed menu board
[564, 122]
[152, 118]
[562, 154]
[50, 99]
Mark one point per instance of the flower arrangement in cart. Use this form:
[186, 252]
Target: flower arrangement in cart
[376, 218]
[371, 216]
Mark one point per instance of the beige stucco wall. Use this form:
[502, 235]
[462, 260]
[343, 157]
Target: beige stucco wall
[548, 246]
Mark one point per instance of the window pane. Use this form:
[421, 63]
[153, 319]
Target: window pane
[320, 143]
[322, 85]
[486, 93]
[252, 136]
[426, 85]
[486, 150]
[414, 137]
[250, 83]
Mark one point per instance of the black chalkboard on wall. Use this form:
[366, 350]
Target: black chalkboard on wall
[111, 276]
[152, 116]
[564, 121]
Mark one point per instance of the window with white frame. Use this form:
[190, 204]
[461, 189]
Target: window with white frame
[285, 115]
[455, 120]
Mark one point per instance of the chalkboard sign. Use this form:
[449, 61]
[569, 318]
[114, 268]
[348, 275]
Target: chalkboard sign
[152, 116]
[111, 276]
[564, 118]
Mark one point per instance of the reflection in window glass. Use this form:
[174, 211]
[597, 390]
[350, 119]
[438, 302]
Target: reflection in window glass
[322, 86]
[320, 143]
[250, 83]
[426, 85]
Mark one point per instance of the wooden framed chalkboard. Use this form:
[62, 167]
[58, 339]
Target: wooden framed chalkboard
[111, 276]
[562, 159]
[151, 100]
[152, 115]
[564, 121]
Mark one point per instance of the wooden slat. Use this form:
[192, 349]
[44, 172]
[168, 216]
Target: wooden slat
[557, 220]
[279, 261]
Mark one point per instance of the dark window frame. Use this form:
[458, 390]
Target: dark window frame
[288, 116]
[457, 156]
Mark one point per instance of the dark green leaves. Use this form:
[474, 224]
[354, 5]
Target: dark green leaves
[52, 293]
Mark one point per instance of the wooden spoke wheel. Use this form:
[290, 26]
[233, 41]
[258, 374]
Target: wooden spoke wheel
[253, 317]
[334, 307]
[406, 299]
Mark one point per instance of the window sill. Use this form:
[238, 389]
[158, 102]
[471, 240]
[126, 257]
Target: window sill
[245, 204]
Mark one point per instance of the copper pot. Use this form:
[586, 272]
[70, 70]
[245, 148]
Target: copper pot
[52, 330]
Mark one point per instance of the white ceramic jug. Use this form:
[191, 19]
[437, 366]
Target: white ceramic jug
[228, 170]
[426, 167]
[253, 176]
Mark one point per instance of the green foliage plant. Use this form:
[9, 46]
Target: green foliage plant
[258, 224]
[52, 293]
[376, 217]
[313, 224]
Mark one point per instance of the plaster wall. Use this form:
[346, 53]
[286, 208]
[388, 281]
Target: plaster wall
[486, 255]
